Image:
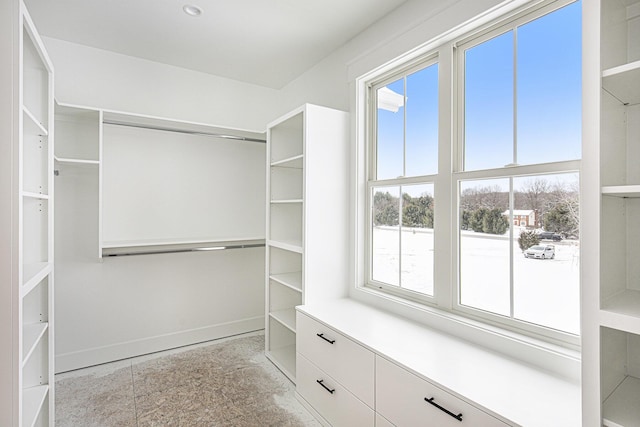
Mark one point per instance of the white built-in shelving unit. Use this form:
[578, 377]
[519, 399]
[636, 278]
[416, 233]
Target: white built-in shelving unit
[611, 304]
[34, 284]
[307, 214]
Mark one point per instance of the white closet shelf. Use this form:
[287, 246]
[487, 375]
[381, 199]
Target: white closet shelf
[622, 311]
[78, 162]
[631, 191]
[285, 359]
[32, 400]
[294, 162]
[286, 318]
[621, 409]
[290, 280]
[33, 120]
[32, 195]
[291, 246]
[32, 274]
[31, 336]
[622, 82]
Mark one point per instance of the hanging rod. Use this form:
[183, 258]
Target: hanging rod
[189, 132]
[173, 251]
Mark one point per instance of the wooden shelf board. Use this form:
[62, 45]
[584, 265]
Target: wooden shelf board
[621, 408]
[294, 162]
[32, 118]
[32, 400]
[32, 195]
[286, 318]
[286, 245]
[290, 280]
[79, 162]
[631, 191]
[32, 274]
[31, 336]
[285, 359]
[622, 82]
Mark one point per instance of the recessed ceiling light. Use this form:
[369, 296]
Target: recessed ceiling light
[192, 10]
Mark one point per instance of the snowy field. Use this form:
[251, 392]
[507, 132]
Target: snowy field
[545, 292]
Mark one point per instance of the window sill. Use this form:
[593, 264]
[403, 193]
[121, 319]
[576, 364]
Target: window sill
[541, 354]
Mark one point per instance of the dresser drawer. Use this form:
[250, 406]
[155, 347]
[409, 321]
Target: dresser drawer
[400, 398]
[327, 396]
[346, 361]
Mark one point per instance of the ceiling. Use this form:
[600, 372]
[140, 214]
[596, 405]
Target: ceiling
[264, 42]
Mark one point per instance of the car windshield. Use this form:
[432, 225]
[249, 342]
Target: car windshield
[538, 248]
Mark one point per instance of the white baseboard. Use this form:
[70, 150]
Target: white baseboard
[124, 350]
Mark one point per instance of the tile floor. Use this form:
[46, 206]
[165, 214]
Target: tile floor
[226, 382]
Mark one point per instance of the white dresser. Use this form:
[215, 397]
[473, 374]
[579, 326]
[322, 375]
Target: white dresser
[358, 366]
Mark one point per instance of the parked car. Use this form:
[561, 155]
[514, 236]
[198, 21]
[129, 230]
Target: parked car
[549, 235]
[541, 252]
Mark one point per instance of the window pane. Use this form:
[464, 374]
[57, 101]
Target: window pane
[549, 87]
[417, 238]
[488, 104]
[484, 245]
[385, 236]
[547, 251]
[390, 137]
[421, 156]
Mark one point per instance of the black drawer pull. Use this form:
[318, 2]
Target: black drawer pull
[326, 339]
[330, 390]
[457, 417]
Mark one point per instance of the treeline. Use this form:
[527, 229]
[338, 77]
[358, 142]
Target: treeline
[482, 208]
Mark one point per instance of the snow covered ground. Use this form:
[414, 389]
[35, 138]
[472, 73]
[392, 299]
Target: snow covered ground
[545, 292]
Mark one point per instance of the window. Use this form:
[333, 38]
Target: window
[506, 239]
[401, 183]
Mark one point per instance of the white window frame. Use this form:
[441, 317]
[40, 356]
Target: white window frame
[450, 173]
[422, 62]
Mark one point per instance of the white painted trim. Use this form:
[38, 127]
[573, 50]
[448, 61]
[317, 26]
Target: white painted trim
[124, 350]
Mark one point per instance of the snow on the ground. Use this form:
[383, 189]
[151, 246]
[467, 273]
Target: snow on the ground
[545, 292]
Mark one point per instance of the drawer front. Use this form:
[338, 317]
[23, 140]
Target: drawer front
[400, 397]
[334, 402]
[348, 362]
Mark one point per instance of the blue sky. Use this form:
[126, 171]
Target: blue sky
[548, 92]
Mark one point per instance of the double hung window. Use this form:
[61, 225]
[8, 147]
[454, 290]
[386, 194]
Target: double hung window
[513, 173]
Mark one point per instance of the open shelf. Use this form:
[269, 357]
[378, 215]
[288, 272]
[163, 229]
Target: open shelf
[281, 347]
[293, 246]
[33, 399]
[293, 162]
[31, 119]
[622, 82]
[621, 409]
[32, 274]
[290, 280]
[286, 317]
[31, 335]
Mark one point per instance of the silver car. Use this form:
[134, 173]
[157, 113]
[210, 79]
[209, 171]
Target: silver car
[541, 252]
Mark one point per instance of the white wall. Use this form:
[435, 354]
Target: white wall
[99, 78]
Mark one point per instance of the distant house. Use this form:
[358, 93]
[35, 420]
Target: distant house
[524, 217]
